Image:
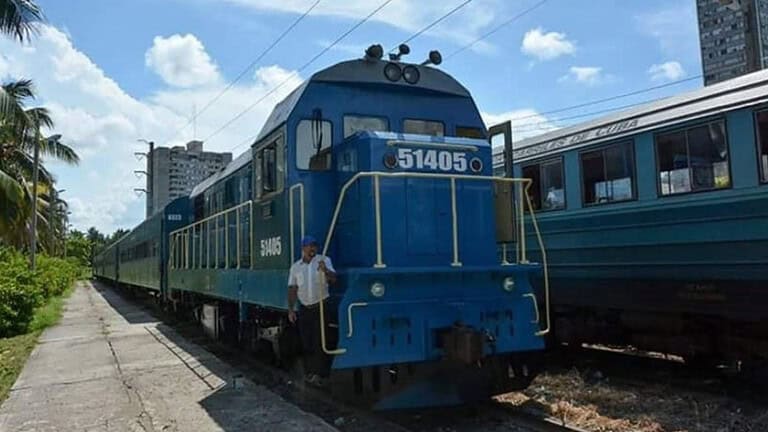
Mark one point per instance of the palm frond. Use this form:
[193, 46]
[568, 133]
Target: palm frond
[19, 18]
[59, 151]
[10, 188]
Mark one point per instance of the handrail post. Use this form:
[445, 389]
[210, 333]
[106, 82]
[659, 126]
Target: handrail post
[455, 225]
[523, 193]
[377, 205]
[252, 254]
[226, 240]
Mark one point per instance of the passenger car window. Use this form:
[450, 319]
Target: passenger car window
[307, 140]
[608, 174]
[424, 127]
[762, 144]
[693, 160]
[547, 190]
[353, 124]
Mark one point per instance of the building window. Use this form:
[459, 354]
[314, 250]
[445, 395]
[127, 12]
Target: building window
[762, 144]
[608, 174]
[354, 124]
[693, 160]
[424, 127]
[469, 132]
[313, 145]
[547, 191]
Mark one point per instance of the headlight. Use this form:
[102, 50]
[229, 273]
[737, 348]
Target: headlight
[393, 72]
[508, 284]
[476, 165]
[411, 75]
[377, 289]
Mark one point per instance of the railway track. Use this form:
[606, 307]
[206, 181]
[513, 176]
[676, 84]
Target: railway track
[488, 416]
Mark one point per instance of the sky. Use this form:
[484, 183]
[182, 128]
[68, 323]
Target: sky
[113, 72]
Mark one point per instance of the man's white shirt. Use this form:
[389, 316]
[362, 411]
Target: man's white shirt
[307, 277]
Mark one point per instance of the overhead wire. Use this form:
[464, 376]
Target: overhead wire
[495, 29]
[250, 66]
[433, 23]
[296, 72]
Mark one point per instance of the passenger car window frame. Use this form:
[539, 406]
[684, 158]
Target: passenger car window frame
[422, 120]
[344, 122]
[685, 129]
[602, 148]
[540, 163]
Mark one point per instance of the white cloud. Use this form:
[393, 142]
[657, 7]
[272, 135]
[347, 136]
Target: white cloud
[181, 61]
[526, 122]
[546, 46]
[670, 71]
[589, 75]
[102, 123]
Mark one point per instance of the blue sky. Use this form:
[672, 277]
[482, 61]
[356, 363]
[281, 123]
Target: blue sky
[114, 71]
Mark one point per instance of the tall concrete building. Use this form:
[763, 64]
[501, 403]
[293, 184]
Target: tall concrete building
[733, 35]
[174, 172]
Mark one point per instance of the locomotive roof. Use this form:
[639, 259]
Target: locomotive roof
[739, 92]
[363, 71]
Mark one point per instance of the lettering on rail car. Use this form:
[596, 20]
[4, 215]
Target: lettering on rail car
[174, 217]
[432, 159]
[271, 247]
[600, 132]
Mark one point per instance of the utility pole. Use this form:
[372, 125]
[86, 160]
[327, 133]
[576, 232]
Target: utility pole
[149, 190]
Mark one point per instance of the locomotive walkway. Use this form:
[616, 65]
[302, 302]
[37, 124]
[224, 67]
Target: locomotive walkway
[109, 366]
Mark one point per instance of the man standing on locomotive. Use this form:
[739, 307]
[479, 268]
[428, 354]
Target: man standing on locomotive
[308, 282]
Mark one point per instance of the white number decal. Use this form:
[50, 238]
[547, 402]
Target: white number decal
[271, 247]
[432, 159]
[405, 158]
[460, 162]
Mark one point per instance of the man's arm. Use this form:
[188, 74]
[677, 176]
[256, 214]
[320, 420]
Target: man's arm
[293, 290]
[326, 266]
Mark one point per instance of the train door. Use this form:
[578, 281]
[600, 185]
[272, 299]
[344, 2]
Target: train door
[500, 138]
[313, 196]
[269, 209]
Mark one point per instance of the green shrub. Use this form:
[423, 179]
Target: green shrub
[22, 290]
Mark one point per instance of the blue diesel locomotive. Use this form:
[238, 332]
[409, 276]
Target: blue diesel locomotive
[656, 223]
[390, 164]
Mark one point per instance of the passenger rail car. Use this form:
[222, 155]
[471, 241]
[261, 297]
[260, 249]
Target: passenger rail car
[390, 165]
[656, 223]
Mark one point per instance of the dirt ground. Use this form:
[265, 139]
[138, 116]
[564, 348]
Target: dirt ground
[597, 403]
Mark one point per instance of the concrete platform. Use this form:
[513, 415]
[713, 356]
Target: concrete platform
[109, 366]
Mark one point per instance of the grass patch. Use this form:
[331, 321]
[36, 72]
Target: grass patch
[15, 350]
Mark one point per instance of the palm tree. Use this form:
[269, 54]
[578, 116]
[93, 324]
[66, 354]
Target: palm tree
[18, 19]
[20, 133]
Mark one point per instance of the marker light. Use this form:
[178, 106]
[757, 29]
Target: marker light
[377, 289]
[393, 72]
[375, 52]
[411, 75]
[476, 165]
[390, 161]
[509, 284]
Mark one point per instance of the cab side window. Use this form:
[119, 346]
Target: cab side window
[270, 168]
[313, 145]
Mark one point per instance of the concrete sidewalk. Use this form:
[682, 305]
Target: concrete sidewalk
[109, 366]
